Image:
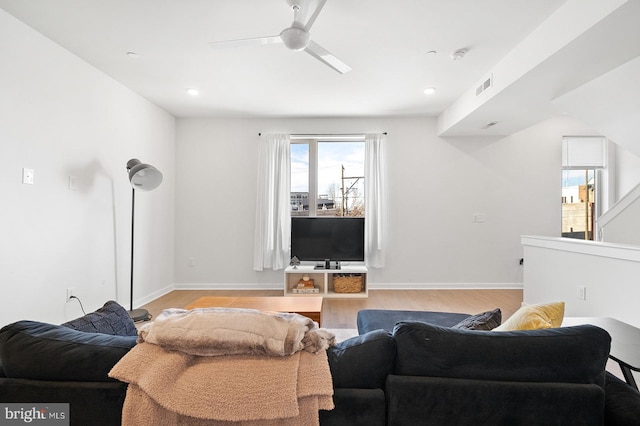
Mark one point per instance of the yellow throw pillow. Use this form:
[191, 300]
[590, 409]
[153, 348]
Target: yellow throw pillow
[533, 317]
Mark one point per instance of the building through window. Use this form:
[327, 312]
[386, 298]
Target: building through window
[327, 177]
[578, 203]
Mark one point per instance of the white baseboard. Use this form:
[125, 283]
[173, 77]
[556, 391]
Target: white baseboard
[228, 286]
[445, 286]
[372, 286]
[153, 296]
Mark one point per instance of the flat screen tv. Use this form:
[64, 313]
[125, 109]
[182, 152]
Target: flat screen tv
[334, 238]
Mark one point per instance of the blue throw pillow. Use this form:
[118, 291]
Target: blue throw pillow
[109, 319]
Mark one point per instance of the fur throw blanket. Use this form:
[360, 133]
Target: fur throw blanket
[233, 331]
[171, 382]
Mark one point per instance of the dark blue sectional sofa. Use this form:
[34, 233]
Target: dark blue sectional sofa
[397, 372]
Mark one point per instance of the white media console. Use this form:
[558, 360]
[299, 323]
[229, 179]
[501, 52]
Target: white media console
[325, 281]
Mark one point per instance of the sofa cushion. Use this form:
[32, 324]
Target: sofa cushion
[484, 321]
[533, 317]
[622, 403]
[35, 350]
[362, 361]
[356, 407]
[438, 401]
[568, 354]
[111, 318]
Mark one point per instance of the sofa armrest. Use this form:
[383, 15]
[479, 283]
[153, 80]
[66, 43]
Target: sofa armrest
[362, 361]
[41, 351]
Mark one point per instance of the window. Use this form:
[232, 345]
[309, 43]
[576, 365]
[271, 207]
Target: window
[583, 163]
[327, 177]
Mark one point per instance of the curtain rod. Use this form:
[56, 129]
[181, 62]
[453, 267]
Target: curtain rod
[311, 135]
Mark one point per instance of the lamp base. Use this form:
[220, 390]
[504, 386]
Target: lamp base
[140, 315]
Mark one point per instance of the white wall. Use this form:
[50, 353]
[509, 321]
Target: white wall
[619, 224]
[436, 186]
[556, 267]
[61, 117]
[627, 171]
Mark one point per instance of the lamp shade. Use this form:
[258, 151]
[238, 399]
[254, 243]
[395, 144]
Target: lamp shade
[143, 177]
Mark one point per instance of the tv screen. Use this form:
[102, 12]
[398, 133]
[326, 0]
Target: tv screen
[334, 238]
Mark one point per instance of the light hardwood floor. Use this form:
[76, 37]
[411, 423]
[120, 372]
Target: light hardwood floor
[341, 313]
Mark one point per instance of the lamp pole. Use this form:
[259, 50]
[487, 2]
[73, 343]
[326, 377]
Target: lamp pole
[135, 314]
[133, 209]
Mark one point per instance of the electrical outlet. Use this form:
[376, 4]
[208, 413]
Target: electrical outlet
[582, 292]
[70, 293]
[479, 218]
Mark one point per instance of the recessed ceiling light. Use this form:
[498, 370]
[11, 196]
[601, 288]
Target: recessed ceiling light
[429, 90]
[458, 54]
[193, 92]
[132, 54]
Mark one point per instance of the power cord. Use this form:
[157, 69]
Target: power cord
[80, 302]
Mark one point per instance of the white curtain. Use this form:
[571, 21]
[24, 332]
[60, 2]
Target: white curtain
[375, 201]
[273, 223]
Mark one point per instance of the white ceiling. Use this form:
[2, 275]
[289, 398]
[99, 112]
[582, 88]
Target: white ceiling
[384, 41]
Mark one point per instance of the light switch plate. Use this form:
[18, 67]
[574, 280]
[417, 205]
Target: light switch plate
[73, 182]
[27, 176]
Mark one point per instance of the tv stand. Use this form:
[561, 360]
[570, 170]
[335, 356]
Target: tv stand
[327, 281]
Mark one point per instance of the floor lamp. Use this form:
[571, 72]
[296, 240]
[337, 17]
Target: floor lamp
[143, 177]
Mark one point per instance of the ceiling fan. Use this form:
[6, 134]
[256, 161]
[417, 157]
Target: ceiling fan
[296, 37]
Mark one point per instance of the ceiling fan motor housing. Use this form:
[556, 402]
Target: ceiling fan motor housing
[295, 38]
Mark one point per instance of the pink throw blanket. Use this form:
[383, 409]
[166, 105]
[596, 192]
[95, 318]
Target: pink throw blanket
[170, 386]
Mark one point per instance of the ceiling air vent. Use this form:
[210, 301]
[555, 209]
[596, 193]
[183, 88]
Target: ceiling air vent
[485, 85]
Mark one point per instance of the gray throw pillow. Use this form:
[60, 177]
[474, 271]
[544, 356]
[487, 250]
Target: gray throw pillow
[484, 321]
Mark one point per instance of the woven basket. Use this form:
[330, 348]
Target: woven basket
[347, 284]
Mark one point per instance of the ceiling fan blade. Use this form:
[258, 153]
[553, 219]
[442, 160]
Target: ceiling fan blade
[243, 42]
[315, 50]
[308, 13]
